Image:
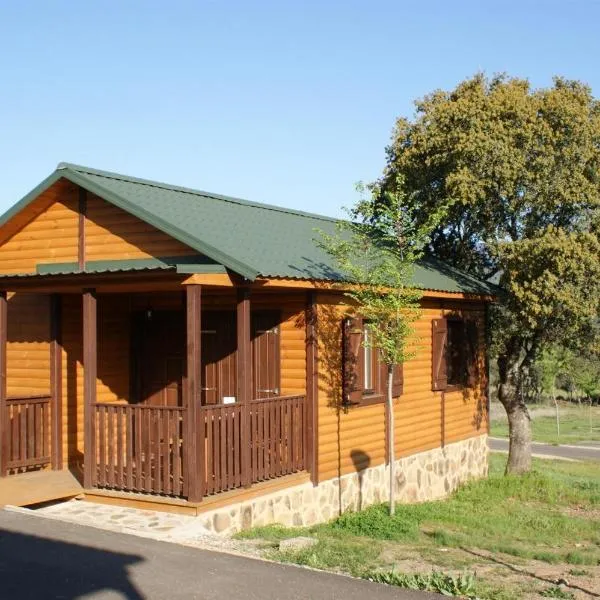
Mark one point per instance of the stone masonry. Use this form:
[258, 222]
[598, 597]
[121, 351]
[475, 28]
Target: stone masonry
[425, 476]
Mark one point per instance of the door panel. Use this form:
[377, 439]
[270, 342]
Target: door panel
[218, 356]
[265, 354]
[159, 343]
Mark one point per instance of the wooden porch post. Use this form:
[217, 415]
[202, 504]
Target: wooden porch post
[3, 414]
[312, 389]
[244, 379]
[90, 366]
[193, 443]
[56, 380]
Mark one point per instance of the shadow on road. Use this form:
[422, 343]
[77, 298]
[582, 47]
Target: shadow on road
[34, 567]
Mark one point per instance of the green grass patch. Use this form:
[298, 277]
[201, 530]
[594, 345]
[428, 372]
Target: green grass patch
[539, 516]
[442, 583]
[574, 426]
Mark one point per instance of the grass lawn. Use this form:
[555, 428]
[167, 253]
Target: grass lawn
[574, 425]
[520, 535]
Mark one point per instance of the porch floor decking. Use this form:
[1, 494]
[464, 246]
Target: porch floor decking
[25, 489]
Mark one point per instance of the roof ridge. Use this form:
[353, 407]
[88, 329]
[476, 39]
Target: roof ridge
[186, 190]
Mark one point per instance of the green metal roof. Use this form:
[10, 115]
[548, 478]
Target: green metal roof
[248, 238]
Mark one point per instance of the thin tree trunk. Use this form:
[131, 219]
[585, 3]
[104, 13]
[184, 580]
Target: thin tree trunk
[557, 413]
[391, 438]
[519, 421]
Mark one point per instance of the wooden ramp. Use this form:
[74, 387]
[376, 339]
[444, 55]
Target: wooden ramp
[38, 486]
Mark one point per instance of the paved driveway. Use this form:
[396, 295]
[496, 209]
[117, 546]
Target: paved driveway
[42, 558]
[588, 452]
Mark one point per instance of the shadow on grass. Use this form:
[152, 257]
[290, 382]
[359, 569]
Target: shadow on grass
[527, 572]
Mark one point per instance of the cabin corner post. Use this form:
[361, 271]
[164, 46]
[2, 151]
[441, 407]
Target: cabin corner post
[194, 434]
[244, 379]
[312, 388]
[90, 368]
[56, 380]
[3, 409]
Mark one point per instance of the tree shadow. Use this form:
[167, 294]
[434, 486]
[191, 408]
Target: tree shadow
[35, 567]
[361, 461]
[527, 572]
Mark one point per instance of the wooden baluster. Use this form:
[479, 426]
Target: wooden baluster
[129, 445]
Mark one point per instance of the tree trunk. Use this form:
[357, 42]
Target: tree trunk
[391, 437]
[519, 421]
[557, 413]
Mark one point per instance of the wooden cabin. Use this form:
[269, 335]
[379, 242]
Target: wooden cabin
[183, 350]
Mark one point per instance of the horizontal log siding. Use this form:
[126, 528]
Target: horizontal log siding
[292, 348]
[113, 348]
[28, 345]
[353, 437]
[113, 234]
[48, 236]
[344, 436]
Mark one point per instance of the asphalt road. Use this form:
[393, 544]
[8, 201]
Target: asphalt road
[46, 559]
[571, 452]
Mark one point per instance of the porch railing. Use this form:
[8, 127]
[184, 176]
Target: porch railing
[141, 448]
[28, 432]
[276, 441]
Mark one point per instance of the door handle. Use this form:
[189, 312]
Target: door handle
[207, 389]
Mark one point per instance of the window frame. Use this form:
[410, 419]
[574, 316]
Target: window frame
[441, 357]
[374, 394]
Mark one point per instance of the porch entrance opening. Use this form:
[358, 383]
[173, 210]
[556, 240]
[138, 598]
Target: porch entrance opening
[141, 445]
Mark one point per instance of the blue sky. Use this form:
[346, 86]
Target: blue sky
[282, 102]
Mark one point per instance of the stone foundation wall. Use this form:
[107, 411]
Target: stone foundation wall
[425, 476]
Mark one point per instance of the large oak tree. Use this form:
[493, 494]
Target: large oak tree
[517, 171]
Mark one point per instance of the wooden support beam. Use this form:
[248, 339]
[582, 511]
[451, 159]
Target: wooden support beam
[90, 366]
[56, 380]
[244, 378]
[4, 423]
[81, 234]
[193, 443]
[312, 389]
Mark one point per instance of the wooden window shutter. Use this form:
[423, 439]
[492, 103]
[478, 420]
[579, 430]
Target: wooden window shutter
[353, 364]
[472, 339]
[439, 380]
[398, 381]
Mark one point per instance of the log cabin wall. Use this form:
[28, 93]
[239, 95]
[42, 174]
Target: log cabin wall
[45, 232]
[28, 344]
[113, 234]
[353, 438]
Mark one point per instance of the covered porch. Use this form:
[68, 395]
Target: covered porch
[163, 386]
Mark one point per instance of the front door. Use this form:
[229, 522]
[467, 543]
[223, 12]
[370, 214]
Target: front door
[218, 356]
[161, 350]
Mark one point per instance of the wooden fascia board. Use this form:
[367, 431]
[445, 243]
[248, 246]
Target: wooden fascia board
[330, 286]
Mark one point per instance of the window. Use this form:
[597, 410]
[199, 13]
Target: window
[364, 374]
[371, 362]
[455, 350]
[456, 353]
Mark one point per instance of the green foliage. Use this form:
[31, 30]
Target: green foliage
[376, 250]
[352, 556]
[436, 581]
[516, 172]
